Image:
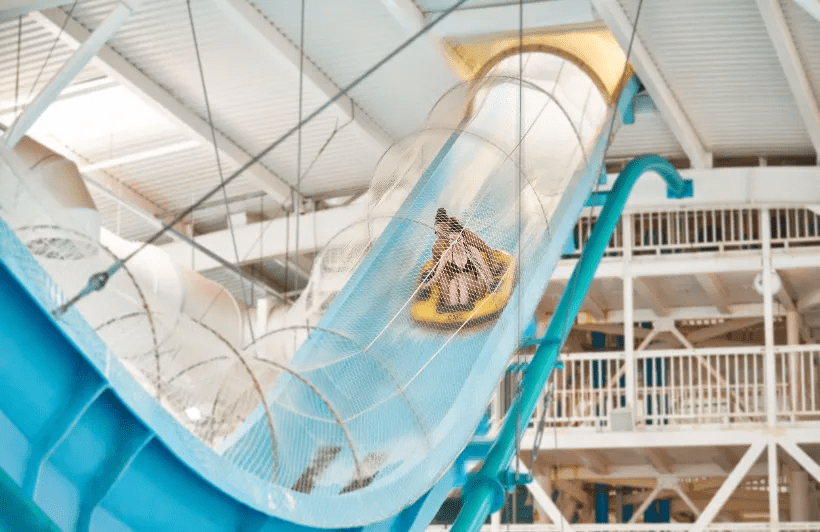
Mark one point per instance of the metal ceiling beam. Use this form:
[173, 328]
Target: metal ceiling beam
[790, 61]
[811, 6]
[715, 289]
[118, 68]
[594, 306]
[693, 264]
[16, 8]
[412, 19]
[595, 461]
[724, 459]
[140, 156]
[660, 460]
[251, 22]
[485, 20]
[269, 238]
[179, 234]
[750, 185]
[406, 13]
[652, 78]
[706, 333]
[650, 292]
[86, 48]
[786, 295]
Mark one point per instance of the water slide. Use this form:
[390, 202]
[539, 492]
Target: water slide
[371, 411]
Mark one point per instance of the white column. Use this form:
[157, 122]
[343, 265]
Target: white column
[774, 502]
[792, 327]
[799, 496]
[495, 521]
[629, 314]
[262, 311]
[793, 338]
[770, 381]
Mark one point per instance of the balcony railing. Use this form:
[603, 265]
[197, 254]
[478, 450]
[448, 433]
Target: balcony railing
[691, 229]
[722, 386]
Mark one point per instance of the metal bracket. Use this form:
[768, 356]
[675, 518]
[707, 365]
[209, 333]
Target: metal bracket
[510, 479]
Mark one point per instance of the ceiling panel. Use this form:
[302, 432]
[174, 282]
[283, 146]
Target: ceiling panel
[722, 68]
[649, 134]
[345, 39]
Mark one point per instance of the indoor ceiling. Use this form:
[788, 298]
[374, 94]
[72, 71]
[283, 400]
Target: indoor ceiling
[729, 82]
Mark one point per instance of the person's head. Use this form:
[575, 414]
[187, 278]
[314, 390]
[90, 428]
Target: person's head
[454, 228]
[441, 223]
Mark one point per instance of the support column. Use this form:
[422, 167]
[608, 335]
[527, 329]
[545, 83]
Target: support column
[770, 374]
[495, 521]
[799, 496]
[262, 311]
[793, 338]
[629, 314]
[601, 503]
[774, 489]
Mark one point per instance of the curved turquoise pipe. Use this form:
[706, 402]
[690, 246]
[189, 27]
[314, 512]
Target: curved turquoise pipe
[478, 497]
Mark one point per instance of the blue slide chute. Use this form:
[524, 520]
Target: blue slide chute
[373, 412]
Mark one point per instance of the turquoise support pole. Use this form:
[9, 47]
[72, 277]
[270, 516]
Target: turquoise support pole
[478, 501]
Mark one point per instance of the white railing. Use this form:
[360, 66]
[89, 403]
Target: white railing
[665, 527]
[703, 386]
[692, 229]
[672, 387]
[798, 371]
[585, 390]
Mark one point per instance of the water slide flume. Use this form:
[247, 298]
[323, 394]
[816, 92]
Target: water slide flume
[374, 408]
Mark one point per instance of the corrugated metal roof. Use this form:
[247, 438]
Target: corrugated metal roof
[805, 30]
[37, 62]
[347, 38]
[253, 94]
[649, 134]
[432, 6]
[720, 64]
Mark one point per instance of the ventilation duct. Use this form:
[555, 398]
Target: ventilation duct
[159, 318]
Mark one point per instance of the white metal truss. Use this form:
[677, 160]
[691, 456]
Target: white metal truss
[732, 481]
[86, 49]
[799, 84]
[656, 85]
[684, 436]
[140, 156]
[811, 6]
[650, 292]
[544, 501]
[490, 19]
[118, 68]
[720, 329]
[253, 23]
[715, 289]
[650, 497]
[791, 447]
[15, 8]
[406, 13]
[676, 265]
[268, 239]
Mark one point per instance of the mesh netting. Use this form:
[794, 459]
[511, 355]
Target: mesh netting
[353, 406]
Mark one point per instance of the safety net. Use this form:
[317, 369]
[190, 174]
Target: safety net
[354, 404]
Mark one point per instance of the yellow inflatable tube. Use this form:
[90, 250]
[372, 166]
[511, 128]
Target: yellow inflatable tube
[425, 308]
